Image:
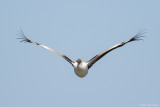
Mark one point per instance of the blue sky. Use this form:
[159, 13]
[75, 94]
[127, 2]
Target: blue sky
[31, 76]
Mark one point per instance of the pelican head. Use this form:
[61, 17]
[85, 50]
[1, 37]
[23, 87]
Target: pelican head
[79, 60]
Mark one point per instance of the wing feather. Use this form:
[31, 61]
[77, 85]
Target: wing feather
[137, 37]
[25, 39]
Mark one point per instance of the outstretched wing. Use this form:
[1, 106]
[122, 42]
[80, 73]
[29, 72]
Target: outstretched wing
[100, 55]
[25, 39]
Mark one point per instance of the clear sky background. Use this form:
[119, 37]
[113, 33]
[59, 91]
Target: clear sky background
[31, 76]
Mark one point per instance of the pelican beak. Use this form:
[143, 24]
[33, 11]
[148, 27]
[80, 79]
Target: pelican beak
[79, 60]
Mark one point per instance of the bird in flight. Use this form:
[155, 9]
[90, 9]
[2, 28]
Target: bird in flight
[80, 67]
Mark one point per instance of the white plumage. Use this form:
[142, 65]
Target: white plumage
[80, 69]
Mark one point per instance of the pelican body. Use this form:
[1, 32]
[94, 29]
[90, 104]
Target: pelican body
[81, 68]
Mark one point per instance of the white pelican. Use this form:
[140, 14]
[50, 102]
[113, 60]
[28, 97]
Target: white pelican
[81, 68]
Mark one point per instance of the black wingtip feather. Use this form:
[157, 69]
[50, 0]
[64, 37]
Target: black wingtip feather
[23, 37]
[138, 36]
